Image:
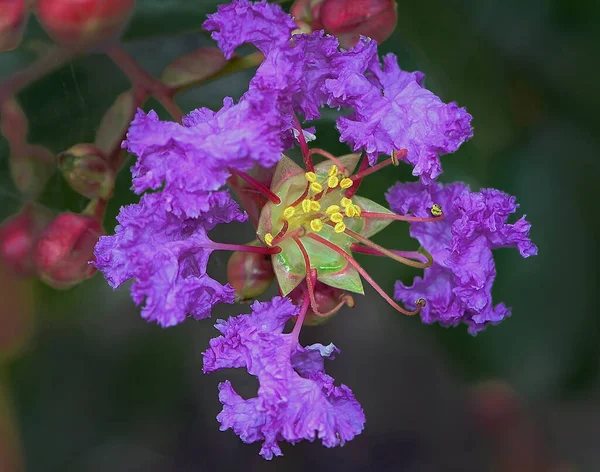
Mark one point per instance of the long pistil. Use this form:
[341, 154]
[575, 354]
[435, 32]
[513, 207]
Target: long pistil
[420, 302]
[263, 189]
[241, 248]
[393, 216]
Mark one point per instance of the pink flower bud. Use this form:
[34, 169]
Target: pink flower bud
[18, 236]
[80, 23]
[349, 19]
[86, 170]
[250, 274]
[64, 249]
[13, 16]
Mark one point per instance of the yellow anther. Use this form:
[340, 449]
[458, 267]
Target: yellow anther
[340, 227]
[289, 212]
[310, 176]
[394, 158]
[350, 211]
[333, 181]
[436, 210]
[306, 205]
[315, 206]
[337, 217]
[316, 225]
[269, 239]
[332, 209]
[346, 182]
[357, 210]
[333, 170]
[316, 186]
[345, 202]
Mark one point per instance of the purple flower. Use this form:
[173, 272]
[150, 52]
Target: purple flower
[265, 25]
[296, 399]
[162, 244]
[458, 286]
[393, 111]
[197, 155]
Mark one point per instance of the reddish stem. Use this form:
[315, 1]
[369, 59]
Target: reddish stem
[352, 190]
[301, 197]
[242, 248]
[364, 273]
[257, 185]
[300, 319]
[329, 156]
[281, 233]
[393, 216]
[308, 163]
[374, 252]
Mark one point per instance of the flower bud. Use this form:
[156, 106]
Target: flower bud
[18, 236]
[81, 23]
[87, 172]
[349, 19]
[250, 274]
[13, 16]
[327, 298]
[64, 249]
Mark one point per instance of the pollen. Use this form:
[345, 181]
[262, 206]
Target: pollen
[315, 206]
[269, 239]
[346, 183]
[340, 227]
[333, 171]
[333, 181]
[436, 210]
[350, 211]
[289, 212]
[337, 217]
[310, 176]
[306, 203]
[316, 225]
[332, 209]
[345, 202]
[315, 186]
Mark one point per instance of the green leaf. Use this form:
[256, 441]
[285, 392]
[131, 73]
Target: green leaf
[115, 122]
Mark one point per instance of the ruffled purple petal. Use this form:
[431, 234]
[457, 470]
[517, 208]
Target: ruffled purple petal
[458, 286]
[165, 250]
[263, 24]
[296, 399]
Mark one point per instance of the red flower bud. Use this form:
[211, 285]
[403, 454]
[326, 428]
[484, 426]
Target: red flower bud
[86, 170]
[78, 23]
[13, 16]
[250, 274]
[349, 19]
[64, 249]
[18, 236]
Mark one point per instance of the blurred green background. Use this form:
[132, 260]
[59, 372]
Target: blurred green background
[93, 387]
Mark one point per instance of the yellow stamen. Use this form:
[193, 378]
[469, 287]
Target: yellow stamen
[333, 170]
[333, 181]
[316, 225]
[310, 176]
[394, 158]
[316, 186]
[337, 217]
[345, 202]
[357, 210]
[350, 211]
[340, 227]
[332, 209]
[436, 210]
[269, 239]
[306, 205]
[346, 183]
[315, 206]
[289, 212]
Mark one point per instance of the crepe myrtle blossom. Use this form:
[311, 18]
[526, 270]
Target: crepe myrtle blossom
[310, 221]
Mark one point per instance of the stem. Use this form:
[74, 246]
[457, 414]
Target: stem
[300, 319]
[393, 216]
[242, 248]
[345, 299]
[50, 61]
[366, 276]
[352, 190]
[139, 77]
[308, 163]
[281, 233]
[374, 252]
[257, 185]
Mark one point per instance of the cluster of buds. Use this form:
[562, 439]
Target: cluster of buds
[347, 19]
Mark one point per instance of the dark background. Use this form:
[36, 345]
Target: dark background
[92, 387]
